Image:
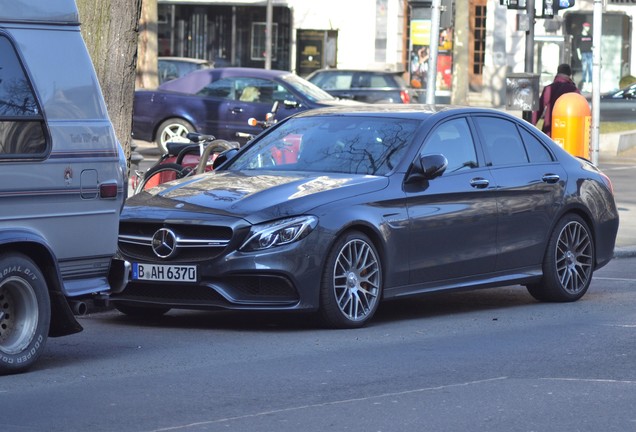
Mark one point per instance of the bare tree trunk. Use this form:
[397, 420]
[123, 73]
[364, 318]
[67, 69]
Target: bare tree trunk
[147, 62]
[109, 28]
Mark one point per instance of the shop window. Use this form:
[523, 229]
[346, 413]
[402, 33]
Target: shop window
[259, 33]
[477, 45]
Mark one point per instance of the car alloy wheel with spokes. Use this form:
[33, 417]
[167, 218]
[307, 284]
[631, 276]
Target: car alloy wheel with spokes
[569, 262]
[352, 282]
[172, 130]
[574, 257]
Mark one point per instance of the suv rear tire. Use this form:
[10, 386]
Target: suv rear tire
[25, 313]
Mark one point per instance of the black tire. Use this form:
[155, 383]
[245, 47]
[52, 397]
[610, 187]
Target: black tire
[173, 129]
[25, 313]
[165, 172]
[568, 264]
[351, 285]
[141, 311]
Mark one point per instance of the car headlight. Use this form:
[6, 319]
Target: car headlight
[280, 232]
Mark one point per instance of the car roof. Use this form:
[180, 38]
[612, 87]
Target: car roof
[199, 78]
[42, 11]
[414, 111]
[356, 70]
[183, 59]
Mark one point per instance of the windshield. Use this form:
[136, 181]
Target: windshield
[337, 144]
[311, 91]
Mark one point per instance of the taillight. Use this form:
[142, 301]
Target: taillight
[404, 95]
[108, 190]
[607, 182]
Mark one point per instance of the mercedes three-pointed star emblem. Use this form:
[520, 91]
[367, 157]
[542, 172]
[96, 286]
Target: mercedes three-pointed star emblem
[164, 243]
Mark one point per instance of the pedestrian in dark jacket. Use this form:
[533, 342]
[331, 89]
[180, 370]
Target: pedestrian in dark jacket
[562, 84]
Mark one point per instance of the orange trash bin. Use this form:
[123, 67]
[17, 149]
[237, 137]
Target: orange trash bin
[571, 123]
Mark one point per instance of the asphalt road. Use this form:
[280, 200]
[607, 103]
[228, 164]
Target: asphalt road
[490, 360]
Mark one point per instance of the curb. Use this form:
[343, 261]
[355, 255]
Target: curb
[625, 252]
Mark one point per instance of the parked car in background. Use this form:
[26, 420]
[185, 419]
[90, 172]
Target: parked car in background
[170, 68]
[363, 86]
[619, 105]
[220, 102]
[336, 209]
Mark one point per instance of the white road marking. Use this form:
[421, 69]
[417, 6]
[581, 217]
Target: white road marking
[329, 403]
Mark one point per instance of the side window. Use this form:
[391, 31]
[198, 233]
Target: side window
[453, 140]
[502, 141]
[22, 132]
[335, 81]
[536, 151]
[223, 88]
[257, 90]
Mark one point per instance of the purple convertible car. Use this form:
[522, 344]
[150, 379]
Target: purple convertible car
[220, 101]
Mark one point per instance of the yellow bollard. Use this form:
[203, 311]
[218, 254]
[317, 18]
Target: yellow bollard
[571, 122]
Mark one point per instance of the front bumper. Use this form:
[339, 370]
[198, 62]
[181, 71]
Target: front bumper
[284, 278]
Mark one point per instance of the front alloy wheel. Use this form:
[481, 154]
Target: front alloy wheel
[569, 262]
[352, 282]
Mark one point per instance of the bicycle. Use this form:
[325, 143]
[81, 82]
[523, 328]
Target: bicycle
[183, 160]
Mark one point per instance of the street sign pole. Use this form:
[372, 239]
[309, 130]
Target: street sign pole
[529, 59]
[269, 13]
[596, 78]
[434, 48]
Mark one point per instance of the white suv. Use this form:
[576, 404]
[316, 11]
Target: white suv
[62, 178]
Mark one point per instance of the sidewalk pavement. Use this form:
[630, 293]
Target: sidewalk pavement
[625, 197]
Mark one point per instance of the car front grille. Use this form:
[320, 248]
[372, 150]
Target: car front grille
[194, 243]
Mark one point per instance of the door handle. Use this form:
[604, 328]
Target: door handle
[550, 178]
[237, 110]
[479, 183]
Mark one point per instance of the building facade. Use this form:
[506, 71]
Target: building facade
[480, 41]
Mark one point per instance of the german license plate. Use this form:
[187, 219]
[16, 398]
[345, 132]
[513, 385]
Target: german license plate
[164, 272]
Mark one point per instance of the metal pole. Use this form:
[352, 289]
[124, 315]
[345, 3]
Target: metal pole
[529, 59]
[431, 80]
[268, 34]
[596, 78]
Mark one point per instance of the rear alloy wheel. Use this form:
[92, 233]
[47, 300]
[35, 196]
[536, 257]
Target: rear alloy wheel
[172, 130]
[25, 313]
[568, 264]
[351, 285]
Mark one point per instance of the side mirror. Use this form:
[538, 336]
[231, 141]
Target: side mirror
[427, 167]
[224, 157]
[290, 104]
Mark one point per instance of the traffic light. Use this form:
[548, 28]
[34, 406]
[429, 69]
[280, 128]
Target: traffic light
[552, 7]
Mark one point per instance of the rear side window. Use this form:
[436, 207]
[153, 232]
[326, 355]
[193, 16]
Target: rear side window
[536, 151]
[334, 80]
[22, 133]
[502, 141]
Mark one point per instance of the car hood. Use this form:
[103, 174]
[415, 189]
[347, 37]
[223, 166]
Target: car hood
[256, 197]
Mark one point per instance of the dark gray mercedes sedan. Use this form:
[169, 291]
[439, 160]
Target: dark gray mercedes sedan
[334, 210]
